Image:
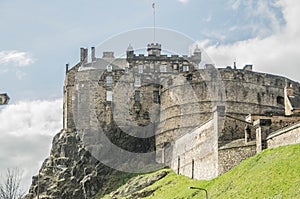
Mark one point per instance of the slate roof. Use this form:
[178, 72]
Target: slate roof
[101, 63]
[295, 101]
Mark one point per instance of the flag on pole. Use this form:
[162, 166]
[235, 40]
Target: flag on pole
[153, 6]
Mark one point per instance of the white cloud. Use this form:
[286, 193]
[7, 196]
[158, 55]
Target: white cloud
[261, 17]
[16, 58]
[235, 4]
[32, 117]
[27, 129]
[278, 53]
[184, 1]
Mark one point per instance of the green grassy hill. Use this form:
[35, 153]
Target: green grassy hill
[273, 173]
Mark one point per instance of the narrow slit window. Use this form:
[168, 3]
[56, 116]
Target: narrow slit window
[137, 81]
[137, 96]
[156, 97]
[141, 68]
[109, 96]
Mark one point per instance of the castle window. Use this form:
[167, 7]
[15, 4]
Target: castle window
[163, 68]
[109, 68]
[137, 81]
[141, 68]
[185, 68]
[137, 96]
[280, 100]
[175, 66]
[258, 98]
[109, 96]
[109, 81]
[126, 70]
[156, 97]
[146, 115]
[170, 82]
[278, 82]
[189, 77]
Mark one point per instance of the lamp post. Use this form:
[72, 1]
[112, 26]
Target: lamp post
[38, 183]
[206, 193]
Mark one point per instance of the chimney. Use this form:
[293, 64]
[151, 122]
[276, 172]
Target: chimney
[93, 54]
[67, 68]
[83, 55]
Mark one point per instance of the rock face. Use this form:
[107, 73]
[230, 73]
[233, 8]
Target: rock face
[133, 188]
[71, 172]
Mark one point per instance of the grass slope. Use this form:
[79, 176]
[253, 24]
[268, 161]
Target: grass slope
[273, 173]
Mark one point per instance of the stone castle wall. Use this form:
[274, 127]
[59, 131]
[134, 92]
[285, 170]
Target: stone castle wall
[189, 100]
[195, 154]
[69, 86]
[285, 136]
[231, 155]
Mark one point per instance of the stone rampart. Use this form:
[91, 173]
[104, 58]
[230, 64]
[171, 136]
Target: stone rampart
[285, 136]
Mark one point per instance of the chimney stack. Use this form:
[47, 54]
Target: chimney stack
[67, 68]
[83, 55]
[93, 54]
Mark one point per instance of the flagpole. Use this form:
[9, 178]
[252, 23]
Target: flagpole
[153, 6]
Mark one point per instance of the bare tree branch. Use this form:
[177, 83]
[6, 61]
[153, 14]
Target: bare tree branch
[10, 187]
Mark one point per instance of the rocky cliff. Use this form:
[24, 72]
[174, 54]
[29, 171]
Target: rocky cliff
[71, 172]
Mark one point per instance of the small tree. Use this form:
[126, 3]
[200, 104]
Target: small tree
[10, 186]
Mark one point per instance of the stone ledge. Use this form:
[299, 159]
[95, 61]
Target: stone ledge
[238, 144]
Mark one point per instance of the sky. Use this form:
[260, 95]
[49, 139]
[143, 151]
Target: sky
[39, 37]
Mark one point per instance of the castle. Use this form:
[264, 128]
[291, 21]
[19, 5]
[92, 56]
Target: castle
[200, 121]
